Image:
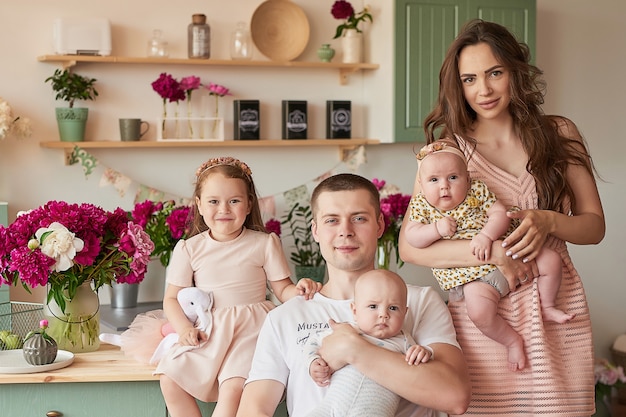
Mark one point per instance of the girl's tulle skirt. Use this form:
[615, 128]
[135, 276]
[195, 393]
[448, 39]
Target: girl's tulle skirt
[144, 335]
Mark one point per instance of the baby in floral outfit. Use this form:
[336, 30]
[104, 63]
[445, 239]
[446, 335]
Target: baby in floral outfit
[450, 205]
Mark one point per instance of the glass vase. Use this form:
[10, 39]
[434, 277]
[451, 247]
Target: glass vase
[383, 255]
[78, 328]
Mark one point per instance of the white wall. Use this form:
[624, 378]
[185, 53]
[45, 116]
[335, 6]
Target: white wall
[579, 46]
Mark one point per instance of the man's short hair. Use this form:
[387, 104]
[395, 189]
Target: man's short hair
[346, 182]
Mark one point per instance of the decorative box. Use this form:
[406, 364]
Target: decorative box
[338, 119]
[295, 121]
[247, 120]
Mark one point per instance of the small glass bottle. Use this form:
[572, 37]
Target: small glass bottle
[199, 37]
[240, 42]
[157, 47]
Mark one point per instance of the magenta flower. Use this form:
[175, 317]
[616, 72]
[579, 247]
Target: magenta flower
[168, 88]
[342, 10]
[378, 183]
[25, 255]
[177, 221]
[190, 83]
[143, 212]
[393, 207]
[273, 226]
[217, 90]
[165, 223]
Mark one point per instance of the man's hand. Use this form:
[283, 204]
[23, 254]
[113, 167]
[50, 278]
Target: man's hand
[338, 346]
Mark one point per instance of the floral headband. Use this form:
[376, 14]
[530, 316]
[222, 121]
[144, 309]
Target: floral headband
[224, 160]
[438, 147]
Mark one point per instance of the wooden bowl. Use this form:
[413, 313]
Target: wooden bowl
[280, 30]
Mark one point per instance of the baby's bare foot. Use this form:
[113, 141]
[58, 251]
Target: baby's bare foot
[517, 357]
[556, 315]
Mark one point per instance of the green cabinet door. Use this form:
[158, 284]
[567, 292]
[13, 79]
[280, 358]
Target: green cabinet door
[83, 399]
[424, 30]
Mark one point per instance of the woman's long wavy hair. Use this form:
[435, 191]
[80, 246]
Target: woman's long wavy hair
[549, 152]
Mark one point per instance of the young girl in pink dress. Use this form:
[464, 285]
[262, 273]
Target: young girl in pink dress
[230, 255]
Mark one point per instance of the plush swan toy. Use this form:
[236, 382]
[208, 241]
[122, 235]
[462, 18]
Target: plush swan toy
[150, 335]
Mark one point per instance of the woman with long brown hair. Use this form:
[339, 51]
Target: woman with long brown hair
[490, 104]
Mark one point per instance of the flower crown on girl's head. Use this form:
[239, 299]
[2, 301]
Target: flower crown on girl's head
[224, 160]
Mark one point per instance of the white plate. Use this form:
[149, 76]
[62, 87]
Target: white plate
[13, 362]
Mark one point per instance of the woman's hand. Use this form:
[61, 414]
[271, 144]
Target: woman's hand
[529, 237]
[516, 271]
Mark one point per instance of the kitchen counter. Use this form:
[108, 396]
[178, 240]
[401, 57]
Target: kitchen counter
[107, 364]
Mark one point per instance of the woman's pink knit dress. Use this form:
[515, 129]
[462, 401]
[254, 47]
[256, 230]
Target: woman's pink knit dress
[558, 379]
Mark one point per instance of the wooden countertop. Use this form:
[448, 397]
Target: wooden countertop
[107, 364]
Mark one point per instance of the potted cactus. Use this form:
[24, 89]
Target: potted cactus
[70, 87]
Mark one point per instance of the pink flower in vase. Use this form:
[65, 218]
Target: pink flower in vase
[188, 84]
[217, 91]
[169, 89]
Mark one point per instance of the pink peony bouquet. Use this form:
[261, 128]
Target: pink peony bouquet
[63, 245]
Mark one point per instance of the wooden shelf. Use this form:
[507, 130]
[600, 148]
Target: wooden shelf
[344, 145]
[344, 69]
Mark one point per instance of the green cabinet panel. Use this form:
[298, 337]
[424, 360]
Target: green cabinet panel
[92, 399]
[424, 30]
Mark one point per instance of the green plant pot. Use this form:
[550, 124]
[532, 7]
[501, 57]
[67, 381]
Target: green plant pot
[71, 123]
[316, 273]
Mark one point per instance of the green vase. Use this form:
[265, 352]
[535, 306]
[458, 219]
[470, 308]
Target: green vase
[76, 329]
[325, 53]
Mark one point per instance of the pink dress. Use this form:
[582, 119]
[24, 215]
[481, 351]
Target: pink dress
[237, 273]
[558, 379]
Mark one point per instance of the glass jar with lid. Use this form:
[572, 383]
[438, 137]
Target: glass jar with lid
[199, 37]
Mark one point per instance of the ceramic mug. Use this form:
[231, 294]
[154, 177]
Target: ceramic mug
[131, 129]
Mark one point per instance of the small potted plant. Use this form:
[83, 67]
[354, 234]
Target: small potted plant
[70, 87]
[39, 347]
[307, 256]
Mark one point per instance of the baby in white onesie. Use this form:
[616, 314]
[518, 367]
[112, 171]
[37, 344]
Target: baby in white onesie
[379, 309]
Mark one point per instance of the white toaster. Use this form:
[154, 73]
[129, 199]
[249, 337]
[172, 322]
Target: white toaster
[82, 36]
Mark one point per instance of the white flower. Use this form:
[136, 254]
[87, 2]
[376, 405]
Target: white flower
[20, 127]
[59, 244]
